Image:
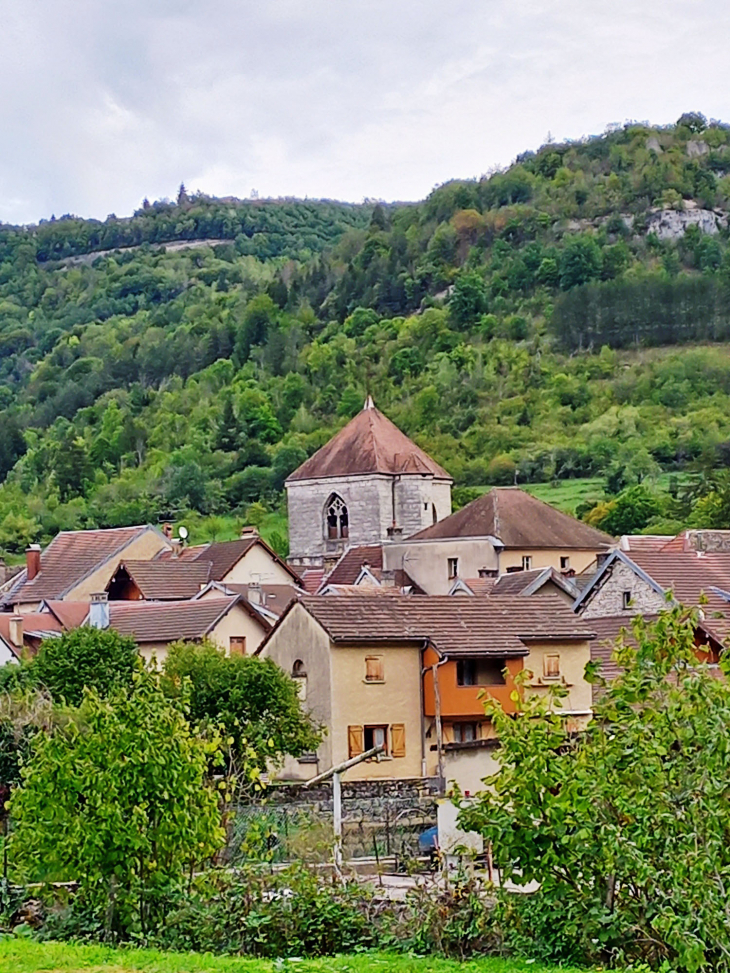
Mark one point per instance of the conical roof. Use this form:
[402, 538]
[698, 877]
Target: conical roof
[518, 520]
[369, 443]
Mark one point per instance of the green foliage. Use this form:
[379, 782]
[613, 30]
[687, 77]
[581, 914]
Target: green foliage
[631, 511]
[625, 826]
[255, 702]
[117, 800]
[85, 658]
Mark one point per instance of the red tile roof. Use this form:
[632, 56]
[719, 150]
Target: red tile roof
[369, 443]
[348, 568]
[155, 621]
[224, 555]
[687, 574]
[70, 614]
[455, 626]
[169, 579]
[518, 520]
[71, 556]
[312, 579]
[645, 543]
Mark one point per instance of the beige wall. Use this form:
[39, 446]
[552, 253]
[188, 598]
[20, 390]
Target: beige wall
[237, 622]
[143, 548]
[574, 656]
[395, 700]
[300, 637]
[257, 565]
[427, 561]
[467, 767]
[547, 558]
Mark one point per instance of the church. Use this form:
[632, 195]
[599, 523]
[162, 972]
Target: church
[368, 485]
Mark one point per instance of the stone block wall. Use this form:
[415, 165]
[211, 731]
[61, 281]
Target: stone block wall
[608, 598]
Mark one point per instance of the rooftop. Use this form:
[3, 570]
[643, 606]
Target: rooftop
[156, 621]
[369, 443]
[517, 520]
[166, 579]
[454, 626]
[71, 556]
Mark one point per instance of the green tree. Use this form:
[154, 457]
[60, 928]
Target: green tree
[86, 658]
[116, 799]
[468, 299]
[580, 262]
[631, 511]
[625, 827]
[252, 698]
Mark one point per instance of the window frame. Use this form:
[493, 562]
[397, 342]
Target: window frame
[459, 728]
[527, 562]
[452, 568]
[546, 673]
[371, 729]
[626, 598]
[564, 563]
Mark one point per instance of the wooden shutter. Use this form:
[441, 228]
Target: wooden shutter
[398, 740]
[355, 740]
[551, 666]
[373, 668]
[238, 644]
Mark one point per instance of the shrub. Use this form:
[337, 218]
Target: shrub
[91, 658]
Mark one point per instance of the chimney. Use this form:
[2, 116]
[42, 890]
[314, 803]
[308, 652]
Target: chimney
[16, 630]
[394, 532]
[249, 531]
[33, 561]
[255, 594]
[99, 610]
[488, 573]
[167, 531]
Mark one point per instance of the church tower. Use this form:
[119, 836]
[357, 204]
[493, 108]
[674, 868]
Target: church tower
[369, 484]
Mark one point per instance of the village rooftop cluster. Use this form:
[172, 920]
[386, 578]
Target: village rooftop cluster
[395, 616]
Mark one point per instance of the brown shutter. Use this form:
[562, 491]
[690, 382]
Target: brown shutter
[238, 644]
[398, 740]
[373, 668]
[355, 740]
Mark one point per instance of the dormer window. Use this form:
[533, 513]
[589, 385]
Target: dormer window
[337, 524]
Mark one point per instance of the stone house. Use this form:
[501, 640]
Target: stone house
[504, 531]
[368, 484]
[78, 563]
[408, 673]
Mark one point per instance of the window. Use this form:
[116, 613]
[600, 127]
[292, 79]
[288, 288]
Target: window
[453, 563]
[337, 523]
[480, 672]
[237, 645]
[526, 562]
[434, 515]
[626, 599]
[465, 732]
[375, 736]
[374, 669]
[299, 675]
[362, 738]
[564, 563]
[551, 666]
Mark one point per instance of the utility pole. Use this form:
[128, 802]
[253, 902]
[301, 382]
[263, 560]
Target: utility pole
[336, 774]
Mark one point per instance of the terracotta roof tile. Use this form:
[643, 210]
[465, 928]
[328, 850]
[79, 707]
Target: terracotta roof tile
[369, 443]
[312, 579]
[224, 555]
[154, 621]
[276, 597]
[518, 520]
[168, 579]
[643, 542]
[455, 626]
[348, 568]
[70, 557]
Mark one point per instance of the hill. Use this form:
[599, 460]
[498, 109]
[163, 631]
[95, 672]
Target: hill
[521, 327]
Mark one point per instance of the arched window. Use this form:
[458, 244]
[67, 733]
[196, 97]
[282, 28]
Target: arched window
[336, 521]
[299, 675]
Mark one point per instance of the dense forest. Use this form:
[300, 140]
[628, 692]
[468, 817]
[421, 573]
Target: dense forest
[522, 327]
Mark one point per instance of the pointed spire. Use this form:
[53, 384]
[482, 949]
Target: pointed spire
[369, 404]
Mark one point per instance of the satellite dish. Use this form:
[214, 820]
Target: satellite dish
[183, 533]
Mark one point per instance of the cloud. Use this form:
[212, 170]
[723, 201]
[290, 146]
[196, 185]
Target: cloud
[104, 104]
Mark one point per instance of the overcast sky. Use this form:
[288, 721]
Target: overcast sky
[103, 103]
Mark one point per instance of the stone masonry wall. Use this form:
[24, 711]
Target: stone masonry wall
[608, 599]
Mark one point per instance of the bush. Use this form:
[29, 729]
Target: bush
[91, 658]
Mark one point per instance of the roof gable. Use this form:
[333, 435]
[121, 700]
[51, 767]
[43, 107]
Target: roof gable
[71, 557]
[160, 621]
[369, 443]
[517, 520]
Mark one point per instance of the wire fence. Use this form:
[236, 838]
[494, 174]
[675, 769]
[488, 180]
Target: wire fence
[386, 829]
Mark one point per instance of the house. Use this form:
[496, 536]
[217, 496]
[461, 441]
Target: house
[247, 560]
[537, 581]
[78, 563]
[504, 530]
[363, 565]
[22, 634]
[408, 672]
[648, 580]
[232, 623]
[368, 484]
[269, 599]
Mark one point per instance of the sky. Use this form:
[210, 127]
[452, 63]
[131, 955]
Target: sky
[105, 103]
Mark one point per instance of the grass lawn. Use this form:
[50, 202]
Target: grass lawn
[26, 956]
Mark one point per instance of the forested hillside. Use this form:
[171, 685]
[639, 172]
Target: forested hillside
[521, 327]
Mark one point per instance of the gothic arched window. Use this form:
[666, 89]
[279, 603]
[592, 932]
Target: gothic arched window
[336, 522]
